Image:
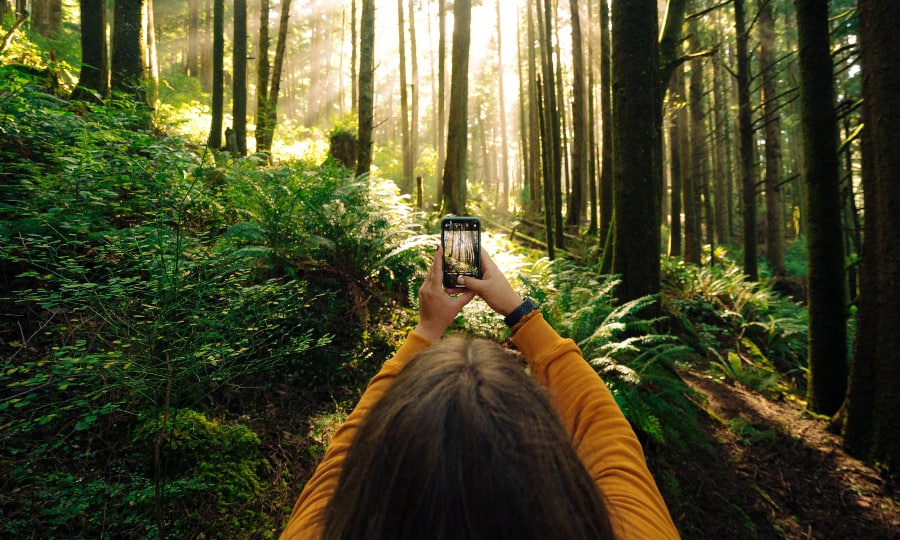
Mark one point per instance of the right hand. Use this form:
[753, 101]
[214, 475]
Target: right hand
[493, 287]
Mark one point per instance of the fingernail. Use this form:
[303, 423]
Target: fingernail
[460, 280]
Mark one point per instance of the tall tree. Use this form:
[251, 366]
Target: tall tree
[637, 173]
[747, 147]
[454, 179]
[677, 135]
[696, 177]
[366, 87]
[262, 78]
[533, 143]
[606, 154]
[872, 422]
[827, 310]
[406, 152]
[551, 134]
[94, 77]
[441, 93]
[579, 123]
[503, 207]
[271, 105]
[46, 16]
[192, 63]
[218, 61]
[772, 130]
[127, 60]
[239, 62]
[414, 93]
[151, 61]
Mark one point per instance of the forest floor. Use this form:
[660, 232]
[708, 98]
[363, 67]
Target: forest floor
[776, 472]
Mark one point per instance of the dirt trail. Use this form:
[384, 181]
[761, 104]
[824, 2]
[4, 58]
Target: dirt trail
[786, 473]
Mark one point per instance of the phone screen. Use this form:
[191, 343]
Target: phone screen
[461, 242]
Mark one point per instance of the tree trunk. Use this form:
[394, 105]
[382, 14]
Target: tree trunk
[262, 78]
[503, 206]
[366, 87]
[151, 61]
[678, 104]
[696, 176]
[637, 176]
[722, 169]
[454, 179]
[218, 61]
[874, 396]
[827, 307]
[127, 60]
[442, 96]
[239, 105]
[593, 166]
[747, 148]
[546, 166]
[414, 94]
[354, 53]
[579, 123]
[406, 185]
[192, 64]
[271, 106]
[534, 119]
[94, 77]
[772, 122]
[606, 122]
[550, 131]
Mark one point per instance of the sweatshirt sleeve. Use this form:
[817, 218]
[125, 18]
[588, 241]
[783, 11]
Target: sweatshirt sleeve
[600, 433]
[308, 517]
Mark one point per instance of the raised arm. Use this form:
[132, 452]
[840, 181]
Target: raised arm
[599, 432]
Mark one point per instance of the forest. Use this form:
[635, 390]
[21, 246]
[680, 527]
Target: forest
[216, 216]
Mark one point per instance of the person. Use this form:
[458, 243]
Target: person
[453, 439]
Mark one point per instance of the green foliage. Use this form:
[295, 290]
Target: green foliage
[635, 361]
[213, 473]
[719, 311]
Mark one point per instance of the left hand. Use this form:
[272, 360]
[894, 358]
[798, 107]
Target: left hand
[437, 308]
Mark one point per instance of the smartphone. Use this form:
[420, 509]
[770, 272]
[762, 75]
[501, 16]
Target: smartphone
[461, 243]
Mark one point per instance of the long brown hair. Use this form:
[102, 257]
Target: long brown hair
[464, 445]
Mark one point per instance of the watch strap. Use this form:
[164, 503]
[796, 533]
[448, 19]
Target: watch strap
[516, 315]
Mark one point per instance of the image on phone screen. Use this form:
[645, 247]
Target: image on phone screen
[461, 240]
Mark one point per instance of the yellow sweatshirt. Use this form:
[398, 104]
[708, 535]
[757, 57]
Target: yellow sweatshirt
[599, 432]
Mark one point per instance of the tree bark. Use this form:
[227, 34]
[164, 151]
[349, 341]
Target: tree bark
[772, 122]
[127, 60]
[442, 96]
[637, 176]
[414, 91]
[262, 78]
[747, 149]
[606, 153]
[454, 179]
[503, 206]
[696, 176]
[827, 310]
[872, 422]
[579, 123]
[192, 64]
[406, 185]
[218, 62]
[94, 77]
[366, 87]
[678, 104]
[239, 92]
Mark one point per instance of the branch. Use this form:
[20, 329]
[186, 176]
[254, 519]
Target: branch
[8, 37]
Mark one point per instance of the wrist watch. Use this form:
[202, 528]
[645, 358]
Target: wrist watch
[526, 307]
